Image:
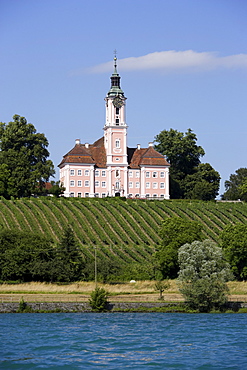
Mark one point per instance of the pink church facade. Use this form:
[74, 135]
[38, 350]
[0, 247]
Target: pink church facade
[108, 167]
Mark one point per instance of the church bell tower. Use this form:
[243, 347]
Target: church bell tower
[115, 134]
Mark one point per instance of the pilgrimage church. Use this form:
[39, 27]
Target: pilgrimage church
[108, 167]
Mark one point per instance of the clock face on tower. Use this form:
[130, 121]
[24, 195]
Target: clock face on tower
[117, 102]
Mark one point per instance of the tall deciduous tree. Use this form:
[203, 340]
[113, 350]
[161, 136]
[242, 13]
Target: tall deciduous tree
[188, 177]
[203, 184]
[203, 274]
[23, 152]
[183, 154]
[175, 232]
[234, 186]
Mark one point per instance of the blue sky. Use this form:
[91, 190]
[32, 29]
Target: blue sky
[183, 64]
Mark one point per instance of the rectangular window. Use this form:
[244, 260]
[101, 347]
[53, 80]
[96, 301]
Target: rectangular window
[103, 184]
[86, 195]
[103, 195]
[117, 143]
[72, 195]
[147, 195]
[155, 174]
[137, 185]
[162, 185]
[79, 183]
[130, 184]
[86, 172]
[72, 172]
[79, 172]
[137, 174]
[79, 195]
[72, 182]
[103, 173]
[148, 174]
[96, 184]
[155, 185]
[162, 174]
[117, 121]
[96, 173]
[162, 196]
[86, 183]
[147, 185]
[96, 195]
[130, 174]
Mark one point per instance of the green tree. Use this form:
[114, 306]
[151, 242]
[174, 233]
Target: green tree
[203, 184]
[23, 152]
[69, 263]
[161, 286]
[25, 256]
[203, 274]
[175, 232]
[234, 244]
[98, 299]
[56, 189]
[183, 154]
[233, 186]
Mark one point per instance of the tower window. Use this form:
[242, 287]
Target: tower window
[117, 121]
[117, 110]
[117, 143]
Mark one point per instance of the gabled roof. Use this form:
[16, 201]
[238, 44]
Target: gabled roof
[146, 157]
[95, 154]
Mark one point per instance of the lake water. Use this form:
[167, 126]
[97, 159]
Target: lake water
[123, 340]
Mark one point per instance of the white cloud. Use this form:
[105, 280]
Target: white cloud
[174, 60]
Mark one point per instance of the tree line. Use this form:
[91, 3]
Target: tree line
[25, 168]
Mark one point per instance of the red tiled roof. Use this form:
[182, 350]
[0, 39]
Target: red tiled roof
[146, 156]
[96, 154]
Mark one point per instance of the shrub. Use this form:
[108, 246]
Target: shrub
[98, 299]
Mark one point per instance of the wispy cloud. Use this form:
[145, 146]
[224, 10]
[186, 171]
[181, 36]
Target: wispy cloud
[174, 60]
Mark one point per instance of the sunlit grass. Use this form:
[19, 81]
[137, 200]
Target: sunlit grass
[139, 287]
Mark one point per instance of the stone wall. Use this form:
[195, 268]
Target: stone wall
[85, 307]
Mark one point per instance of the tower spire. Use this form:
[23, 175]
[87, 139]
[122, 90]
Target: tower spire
[115, 61]
[115, 80]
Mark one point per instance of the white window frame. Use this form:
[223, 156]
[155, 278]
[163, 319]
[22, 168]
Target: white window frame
[79, 183]
[162, 185]
[130, 173]
[117, 144]
[86, 172]
[72, 172]
[72, 183]
[162, 174]
[155, 174]
[79, 172]
[103, 184]
[97, 184]
[148, 174]
[103, 173]
[131, 185]
[155, 185]
[147, 185]
[137, 185]
[87, 183]
[96, 173]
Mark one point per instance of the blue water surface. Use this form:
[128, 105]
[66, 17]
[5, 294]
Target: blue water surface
[123, 340]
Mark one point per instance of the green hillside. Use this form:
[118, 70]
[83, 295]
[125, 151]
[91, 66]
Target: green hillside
[126, 230]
